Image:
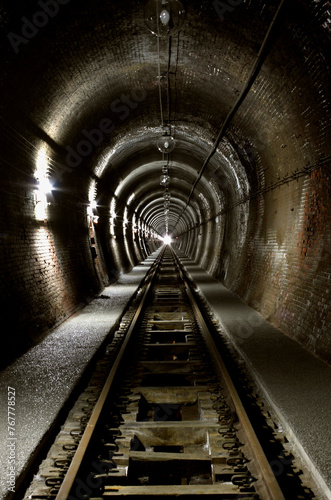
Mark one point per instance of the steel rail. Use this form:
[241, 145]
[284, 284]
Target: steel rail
[267, 475]
[76, 462]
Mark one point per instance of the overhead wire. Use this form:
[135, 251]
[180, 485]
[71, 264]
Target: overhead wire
[255, 69]
[159, 64]
[168, 78]
[159, 82]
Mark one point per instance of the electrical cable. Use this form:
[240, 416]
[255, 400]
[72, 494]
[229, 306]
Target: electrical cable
[247, 86]
[168, 79]
[159, 64]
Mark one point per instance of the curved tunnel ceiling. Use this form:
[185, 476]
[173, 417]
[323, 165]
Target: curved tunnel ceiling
[91, 92]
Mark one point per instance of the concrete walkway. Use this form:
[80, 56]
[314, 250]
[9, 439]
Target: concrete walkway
[45, 376]
[296, 383]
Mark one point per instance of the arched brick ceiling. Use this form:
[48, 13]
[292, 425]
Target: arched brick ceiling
[84, 89]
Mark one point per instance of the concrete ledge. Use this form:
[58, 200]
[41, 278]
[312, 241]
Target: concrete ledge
[45, 376]
[295, 382]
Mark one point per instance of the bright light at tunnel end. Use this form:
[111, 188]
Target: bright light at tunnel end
[167, 239]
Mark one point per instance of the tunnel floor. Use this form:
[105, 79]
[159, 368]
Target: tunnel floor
[45, 376]
[296, 384]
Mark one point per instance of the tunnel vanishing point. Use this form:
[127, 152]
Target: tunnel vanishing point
[209, 123]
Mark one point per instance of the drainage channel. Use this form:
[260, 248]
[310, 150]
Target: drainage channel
[167, 422]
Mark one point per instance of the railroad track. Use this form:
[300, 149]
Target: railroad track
[160, 416]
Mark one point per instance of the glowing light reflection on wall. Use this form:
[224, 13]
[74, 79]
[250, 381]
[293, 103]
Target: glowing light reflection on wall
[131, 197]
[125, 220]
[112, 216]
[126, 245]
[53, 278]
[40, 205]
[42, 176]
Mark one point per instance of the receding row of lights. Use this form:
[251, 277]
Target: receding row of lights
[164, 18]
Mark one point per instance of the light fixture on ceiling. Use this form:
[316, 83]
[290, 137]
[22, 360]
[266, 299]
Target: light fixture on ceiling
[164, 180]
[164, 17]
[166, 142]
[167, 195]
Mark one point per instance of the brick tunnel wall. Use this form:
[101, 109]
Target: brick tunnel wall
[283, 268]
[46, 266]
[284, 273]
[273, 249]
[302, 307]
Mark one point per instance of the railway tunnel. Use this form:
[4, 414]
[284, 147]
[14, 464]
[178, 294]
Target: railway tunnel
[206, 124]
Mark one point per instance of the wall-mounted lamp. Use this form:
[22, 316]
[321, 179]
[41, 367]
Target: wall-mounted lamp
[44, 187]
[92, 206]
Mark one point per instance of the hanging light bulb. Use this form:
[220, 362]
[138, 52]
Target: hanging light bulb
[166, 204]
[164, 180]
[167, 195]
[164, 17]
[166, 143]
